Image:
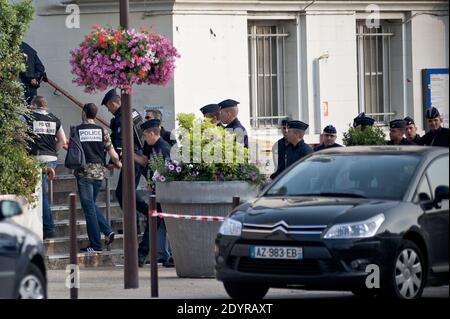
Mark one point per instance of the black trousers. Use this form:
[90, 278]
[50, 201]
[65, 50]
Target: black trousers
[141, 205]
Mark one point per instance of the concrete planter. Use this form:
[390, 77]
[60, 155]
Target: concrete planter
[192, 242]
[31, 216]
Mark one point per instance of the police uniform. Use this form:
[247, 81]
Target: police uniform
[211, 108]
[164, 254]
[330, 129]
[435, 138]
[363, 120]
[402, 125]
[294, 152]
[417, 139]
[116, 138]
[235, 126]
[279, 148]
[95, 142]
[44, 127]
[35, 70]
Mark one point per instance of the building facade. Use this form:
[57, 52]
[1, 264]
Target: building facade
[322, 62]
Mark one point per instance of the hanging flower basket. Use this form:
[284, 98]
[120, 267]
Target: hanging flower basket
[122, 58]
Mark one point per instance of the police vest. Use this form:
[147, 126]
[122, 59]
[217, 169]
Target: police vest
[44, 128]
[91, 138]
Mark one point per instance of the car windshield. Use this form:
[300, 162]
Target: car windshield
[361, 176]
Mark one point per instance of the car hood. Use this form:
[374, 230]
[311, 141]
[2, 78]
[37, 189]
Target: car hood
[310, 211]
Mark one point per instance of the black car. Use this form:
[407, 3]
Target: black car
[372, 220]
[22, 268]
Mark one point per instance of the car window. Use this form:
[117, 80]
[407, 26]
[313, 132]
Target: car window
[361, 175]
[423, 187]
[437, 173]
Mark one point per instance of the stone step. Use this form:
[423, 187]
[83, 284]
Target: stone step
[61, 245]
[62, 227]
[62, 198]
[61, 212]
[106, 258]
[62, 170]
[64, 183]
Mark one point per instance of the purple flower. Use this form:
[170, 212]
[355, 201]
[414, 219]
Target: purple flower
[178, 169]
[162, 179]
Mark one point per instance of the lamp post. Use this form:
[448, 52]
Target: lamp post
[131, 274]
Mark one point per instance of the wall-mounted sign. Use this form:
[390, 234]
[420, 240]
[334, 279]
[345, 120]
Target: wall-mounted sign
[435, 91]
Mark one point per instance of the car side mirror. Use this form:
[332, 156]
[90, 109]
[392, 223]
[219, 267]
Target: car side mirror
[9, 208]
[425, 201]
[440, 193]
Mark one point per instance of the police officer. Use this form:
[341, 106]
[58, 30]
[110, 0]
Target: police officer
[46, 140]
[34, 73]
[329, 138]
[411, 131]
[152, 136]
[228, 115]
[438, 135]
[363, 120]
[112, 101]
[156, 114]
[95, 142]
[279, 148]
[212, 111]
[397, 130]
[297, 148]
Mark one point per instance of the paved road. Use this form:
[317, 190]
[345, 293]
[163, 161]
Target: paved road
[108, 283]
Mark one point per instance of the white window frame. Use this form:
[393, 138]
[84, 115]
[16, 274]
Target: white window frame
[280, 73]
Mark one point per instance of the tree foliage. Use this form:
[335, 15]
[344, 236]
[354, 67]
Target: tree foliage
[18, 172]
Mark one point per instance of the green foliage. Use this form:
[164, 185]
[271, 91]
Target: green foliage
[208, 153]
[368, 135]
[18, 173]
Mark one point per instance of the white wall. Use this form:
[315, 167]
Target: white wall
[429, 49]
[53, 48]
[333, 34]
[213, 64]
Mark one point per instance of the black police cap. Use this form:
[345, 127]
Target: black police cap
[227, 103]
[285, 121]
[397, 124]
[150, 124]
[409, 120]
[297, 125]
[363, 120]
[210, 108]
[108, 96]
[330, 129]
[432, 113]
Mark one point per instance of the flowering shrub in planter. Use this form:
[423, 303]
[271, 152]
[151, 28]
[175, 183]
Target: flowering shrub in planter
[121, 58]
[205, 152]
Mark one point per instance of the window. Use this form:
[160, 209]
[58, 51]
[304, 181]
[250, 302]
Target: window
[373, 52]
[266, 42]
[437, 173]
[422, 188]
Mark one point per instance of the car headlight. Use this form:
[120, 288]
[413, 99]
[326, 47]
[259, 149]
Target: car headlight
[230, 227]
[363, 229]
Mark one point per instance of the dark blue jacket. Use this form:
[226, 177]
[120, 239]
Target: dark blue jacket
[116, 132]
[237, 124]
[293, 154]
[323, 147]
[440, 138]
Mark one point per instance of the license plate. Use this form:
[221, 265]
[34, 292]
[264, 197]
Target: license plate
[276, 252]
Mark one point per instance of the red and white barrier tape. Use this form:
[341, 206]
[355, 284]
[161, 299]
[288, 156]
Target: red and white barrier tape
[189, 217]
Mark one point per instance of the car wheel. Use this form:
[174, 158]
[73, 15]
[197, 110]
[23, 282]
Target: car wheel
[406, 278]
[33, 285]
[242, 291]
